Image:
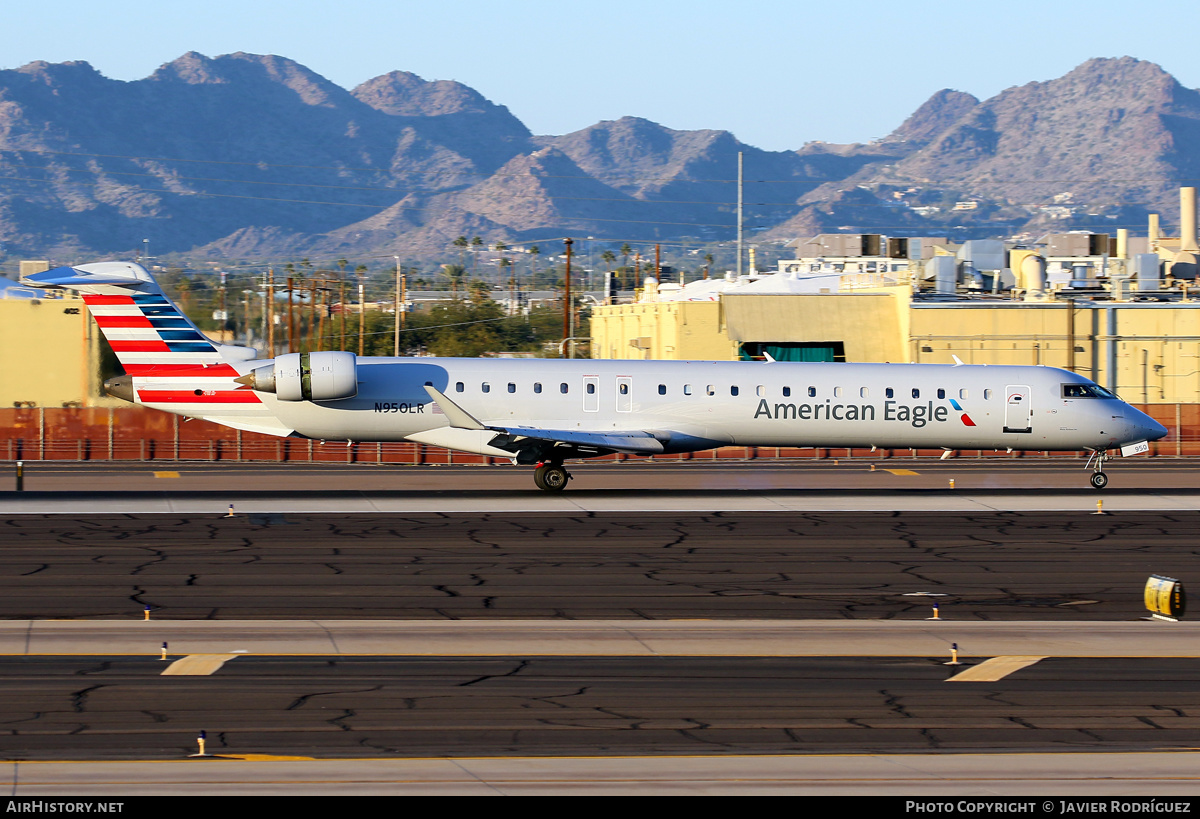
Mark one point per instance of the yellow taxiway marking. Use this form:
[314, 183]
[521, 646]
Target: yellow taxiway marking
[997, 668]
[902, 472]
[197, 665]
[166, 474]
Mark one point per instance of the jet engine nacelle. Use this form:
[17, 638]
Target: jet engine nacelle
[325, 376]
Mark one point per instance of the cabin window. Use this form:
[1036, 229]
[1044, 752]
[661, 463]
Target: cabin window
[563, 388]
[888, 392]
[760, 390]
[941, 393]
[733, 390]
[662, 389]
[486, 387]
[962, 393]
[623, 388]
[591, 388]
[863, 392]
[787, 392]
[812, 392]
[710, 390]
[459, 387]
[837, 392]
[916, 393]
[987, 395]
[512, 387]
[537, 387]
[687, 389]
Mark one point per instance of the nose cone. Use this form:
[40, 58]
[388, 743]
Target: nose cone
[1141, 427]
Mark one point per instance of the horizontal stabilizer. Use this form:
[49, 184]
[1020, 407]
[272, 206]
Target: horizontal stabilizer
[116, 274]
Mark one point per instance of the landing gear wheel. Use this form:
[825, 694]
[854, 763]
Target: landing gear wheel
[1099, 480]
[551, 478]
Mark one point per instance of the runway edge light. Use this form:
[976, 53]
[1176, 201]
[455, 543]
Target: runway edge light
[1165, 598]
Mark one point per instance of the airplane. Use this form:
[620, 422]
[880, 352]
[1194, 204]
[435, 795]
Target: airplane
[542, 412]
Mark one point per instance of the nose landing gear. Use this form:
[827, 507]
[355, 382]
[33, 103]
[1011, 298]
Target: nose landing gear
[551, 477]
[1099, 480]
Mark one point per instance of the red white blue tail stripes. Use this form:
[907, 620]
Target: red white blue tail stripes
[172, 362]
[173, 365]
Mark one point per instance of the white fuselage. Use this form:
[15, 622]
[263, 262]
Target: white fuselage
[698, 405]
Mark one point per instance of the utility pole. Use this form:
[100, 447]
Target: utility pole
[342, 309]
[224, 314]
[362, 314]
[739, 217]
[323, 289]
[246, 316]
[567, 303]
[291, 317]
[396, 350]
[271, 311]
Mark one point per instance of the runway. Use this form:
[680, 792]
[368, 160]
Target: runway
[1057, 566]
[98, 690]
[654, 629]
[964, 485]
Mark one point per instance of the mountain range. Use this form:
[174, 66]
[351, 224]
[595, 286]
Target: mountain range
[247, 156]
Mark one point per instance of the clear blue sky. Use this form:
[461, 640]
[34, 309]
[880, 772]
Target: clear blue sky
[775, 73]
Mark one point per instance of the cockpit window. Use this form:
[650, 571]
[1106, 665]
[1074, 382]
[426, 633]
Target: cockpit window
[1085, 391]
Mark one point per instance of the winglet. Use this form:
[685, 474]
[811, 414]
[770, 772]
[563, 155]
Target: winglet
[458, 417]
[957, 361]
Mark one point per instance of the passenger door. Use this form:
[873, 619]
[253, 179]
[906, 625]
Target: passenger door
[591, 393]
[1018, 409]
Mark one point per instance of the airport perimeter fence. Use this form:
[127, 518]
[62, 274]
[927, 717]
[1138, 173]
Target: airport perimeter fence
[139, 434]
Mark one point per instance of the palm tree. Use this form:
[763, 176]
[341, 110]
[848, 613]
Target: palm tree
[512, 282]
[456, 273]
[708, 260]
[461, 243]
[476, 244]
[500, 248]
[626, 250]
[534, 250]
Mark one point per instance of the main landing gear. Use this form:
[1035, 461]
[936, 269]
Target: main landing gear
[1099, 479]
[551, 477]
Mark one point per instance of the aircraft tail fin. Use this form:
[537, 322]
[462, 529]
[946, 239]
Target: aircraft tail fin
[171, 364]
[149, 334]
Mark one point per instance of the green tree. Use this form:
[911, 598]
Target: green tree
[455, 273]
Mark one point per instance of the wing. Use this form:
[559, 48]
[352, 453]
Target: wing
[634, 442]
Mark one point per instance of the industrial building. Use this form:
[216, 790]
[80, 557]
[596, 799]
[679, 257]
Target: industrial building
[1121, 310]
[52, 349]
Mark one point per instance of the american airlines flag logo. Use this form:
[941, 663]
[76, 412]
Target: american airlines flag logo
[171, 361]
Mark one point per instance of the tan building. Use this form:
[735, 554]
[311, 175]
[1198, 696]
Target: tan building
[50, 352]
